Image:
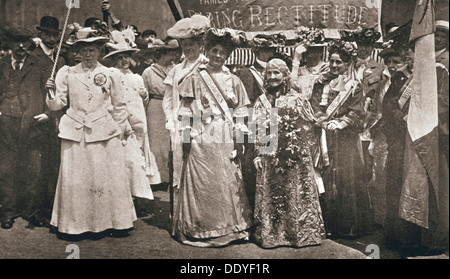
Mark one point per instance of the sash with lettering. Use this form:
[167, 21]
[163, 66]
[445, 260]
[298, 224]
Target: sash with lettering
[215, 91]
[406, 89]
[341, 98]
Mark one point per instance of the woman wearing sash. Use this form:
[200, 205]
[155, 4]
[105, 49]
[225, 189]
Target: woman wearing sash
[287, 209]
[212, 208]
[338, 102]
[189, 32]
[154, 76]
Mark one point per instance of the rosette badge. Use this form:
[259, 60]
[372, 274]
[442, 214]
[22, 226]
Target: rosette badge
[100, 79]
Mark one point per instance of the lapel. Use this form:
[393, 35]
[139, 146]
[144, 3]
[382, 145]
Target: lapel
[6, 70]
[81, 76]
[28, 65]
[371, 65]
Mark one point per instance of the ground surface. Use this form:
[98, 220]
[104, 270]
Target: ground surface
[150, 239]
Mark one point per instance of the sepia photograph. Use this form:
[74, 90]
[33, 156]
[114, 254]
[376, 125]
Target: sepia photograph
[224, 138]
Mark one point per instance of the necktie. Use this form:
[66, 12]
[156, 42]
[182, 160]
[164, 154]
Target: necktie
[17, 65]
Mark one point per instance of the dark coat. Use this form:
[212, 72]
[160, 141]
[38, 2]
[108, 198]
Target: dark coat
[29, 83]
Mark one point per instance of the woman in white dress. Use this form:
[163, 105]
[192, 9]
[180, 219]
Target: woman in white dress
[92, 193]
[140, 162]
[189, 32]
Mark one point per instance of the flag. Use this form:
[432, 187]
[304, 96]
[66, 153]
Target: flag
[421, 169]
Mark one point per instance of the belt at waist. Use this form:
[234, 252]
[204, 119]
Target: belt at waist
[87, 119]
[157, 97]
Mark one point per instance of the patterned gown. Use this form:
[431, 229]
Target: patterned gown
[287, 208]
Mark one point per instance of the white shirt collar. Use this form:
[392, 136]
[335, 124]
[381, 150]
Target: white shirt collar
[13, 62]
[47, 51]
[439, 52]
[262, 63]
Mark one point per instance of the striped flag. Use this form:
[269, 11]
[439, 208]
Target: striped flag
[421, 169]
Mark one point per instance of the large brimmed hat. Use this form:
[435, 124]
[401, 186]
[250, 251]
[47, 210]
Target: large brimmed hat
[122, 48]
[50, 24]
[361, 35]
[158, 44]
[190, 27]
[442, 25]
[229, 38]
[395, 40]
[313, 37]
[268, 41]
[87, 35]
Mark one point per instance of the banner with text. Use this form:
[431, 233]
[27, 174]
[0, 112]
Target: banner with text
[277, 15]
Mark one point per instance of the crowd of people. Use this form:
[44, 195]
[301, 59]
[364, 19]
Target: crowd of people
[287, 151]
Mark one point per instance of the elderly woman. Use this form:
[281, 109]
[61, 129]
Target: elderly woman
[92, 194]
[190, 33]
[337, 101]
[287, 209]
[212, 208]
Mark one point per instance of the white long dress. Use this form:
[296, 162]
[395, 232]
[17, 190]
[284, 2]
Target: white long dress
[92, 193]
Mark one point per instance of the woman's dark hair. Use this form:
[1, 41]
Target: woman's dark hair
[223, 41]
[344, 49]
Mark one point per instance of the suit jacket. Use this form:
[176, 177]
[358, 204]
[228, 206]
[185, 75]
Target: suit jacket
[97, 109]
[29, 84]
[372, 77]
[48, 62]
[443, 58]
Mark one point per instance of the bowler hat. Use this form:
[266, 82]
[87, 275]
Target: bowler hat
[49, 23]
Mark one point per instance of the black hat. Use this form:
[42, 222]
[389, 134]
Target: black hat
[367, 36]
[49, 23]
[18, 34]
[361, 35]
[229, 38]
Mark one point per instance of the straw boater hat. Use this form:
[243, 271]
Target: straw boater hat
[190, 27]
[442, 25]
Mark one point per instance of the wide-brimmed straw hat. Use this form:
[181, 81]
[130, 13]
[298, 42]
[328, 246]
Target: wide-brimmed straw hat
[87, 35]
[122, 48]
[158, 44]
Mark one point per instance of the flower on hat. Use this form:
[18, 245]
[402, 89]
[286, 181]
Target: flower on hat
[309, 36]
[268, 41]
[190, 27]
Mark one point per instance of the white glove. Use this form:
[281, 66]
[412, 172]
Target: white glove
[170, 125]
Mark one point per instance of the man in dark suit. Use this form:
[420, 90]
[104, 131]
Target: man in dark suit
[24, 125]
[48, 40]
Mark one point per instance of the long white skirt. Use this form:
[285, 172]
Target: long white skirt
[93, 193]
